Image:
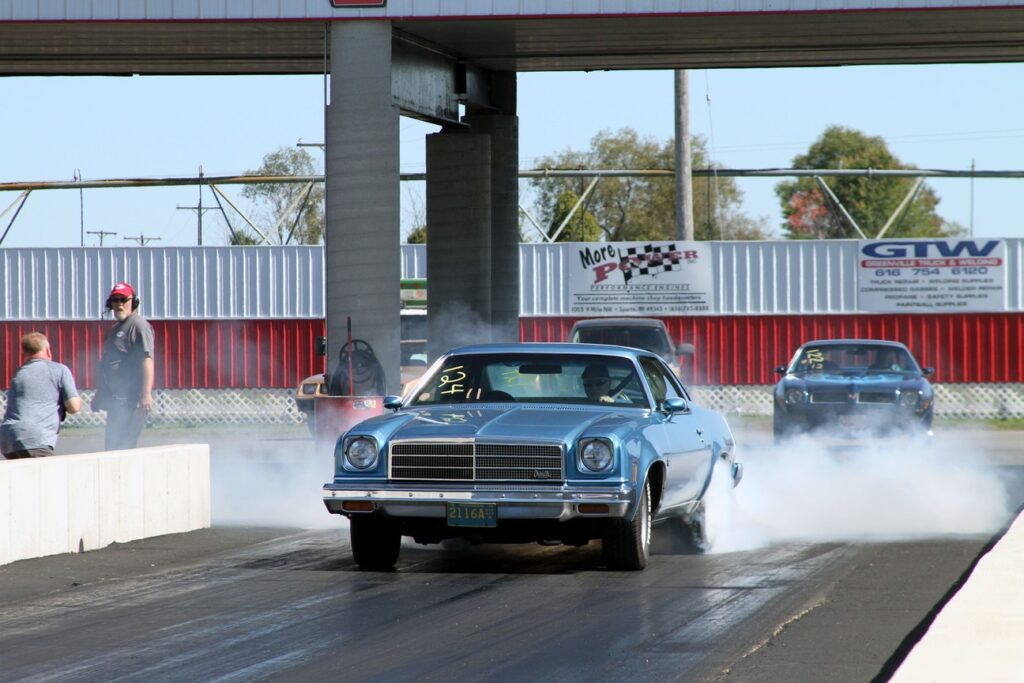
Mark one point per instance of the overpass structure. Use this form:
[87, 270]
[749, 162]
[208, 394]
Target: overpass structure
[454, 63]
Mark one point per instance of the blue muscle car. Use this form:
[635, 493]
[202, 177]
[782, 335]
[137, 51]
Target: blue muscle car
[512, 443]
[851, 387]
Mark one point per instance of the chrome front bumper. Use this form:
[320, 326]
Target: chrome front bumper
[526, 502]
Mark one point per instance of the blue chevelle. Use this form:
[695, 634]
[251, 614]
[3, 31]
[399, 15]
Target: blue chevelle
[548, 443]
[852, 387]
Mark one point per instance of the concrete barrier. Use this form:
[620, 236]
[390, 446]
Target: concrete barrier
[979, 634]
[73, 503]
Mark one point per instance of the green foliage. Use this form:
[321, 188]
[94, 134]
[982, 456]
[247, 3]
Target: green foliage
[639, 208]
[242, 238]
[290, 217]
[582, 227]
[869, 200]
[417, 236]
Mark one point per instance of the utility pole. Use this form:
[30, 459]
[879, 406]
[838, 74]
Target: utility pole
[101, 233]
[81, 211]
[142, 239]
[199, 210]
[684, 160]
[971, 233]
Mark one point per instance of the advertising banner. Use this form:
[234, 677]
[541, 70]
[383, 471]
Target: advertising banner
[640, 278]
[934, 276]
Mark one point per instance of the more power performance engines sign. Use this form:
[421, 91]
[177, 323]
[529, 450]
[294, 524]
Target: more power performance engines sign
[639, 278]
[936, 276]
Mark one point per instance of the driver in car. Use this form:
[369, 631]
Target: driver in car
[597, 385]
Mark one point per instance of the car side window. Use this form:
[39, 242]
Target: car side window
[663, 384]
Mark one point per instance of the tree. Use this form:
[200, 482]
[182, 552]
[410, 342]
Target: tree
[641, 208]
[582, 226]
[294, 210]
[418, 235]
[870, 200]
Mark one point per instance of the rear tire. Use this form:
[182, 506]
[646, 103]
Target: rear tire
[627, 542]
[376, 541]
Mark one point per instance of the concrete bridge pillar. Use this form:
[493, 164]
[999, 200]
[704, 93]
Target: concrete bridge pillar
[458, 240]
[362, 258]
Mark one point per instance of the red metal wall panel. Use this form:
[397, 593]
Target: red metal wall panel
[197, 354]
[968, 348]
[190, 354]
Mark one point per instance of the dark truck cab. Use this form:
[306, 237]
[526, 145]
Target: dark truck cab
[649, 334]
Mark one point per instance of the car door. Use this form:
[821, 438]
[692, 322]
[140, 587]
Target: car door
[680, 438]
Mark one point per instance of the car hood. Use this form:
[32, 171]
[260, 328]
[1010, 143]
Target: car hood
[534, 423]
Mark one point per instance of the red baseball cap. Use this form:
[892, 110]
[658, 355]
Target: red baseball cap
[122, 289]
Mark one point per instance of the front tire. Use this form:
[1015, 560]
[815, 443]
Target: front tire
[376, 541]
[627, 542]
[781, 429]
[702, 527]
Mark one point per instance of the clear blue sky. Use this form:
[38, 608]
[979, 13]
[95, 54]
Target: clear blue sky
[942, 116]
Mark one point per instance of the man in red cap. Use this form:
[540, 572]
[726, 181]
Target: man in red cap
[125, 388]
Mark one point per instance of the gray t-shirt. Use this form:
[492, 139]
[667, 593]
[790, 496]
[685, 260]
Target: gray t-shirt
[35, 405]
[129, 342]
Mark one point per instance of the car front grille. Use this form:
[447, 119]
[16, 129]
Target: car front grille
[470, 461]
[870, 397]
[830, 397]
[877, 397]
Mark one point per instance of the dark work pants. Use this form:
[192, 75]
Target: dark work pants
[125, 420]
[29, 453]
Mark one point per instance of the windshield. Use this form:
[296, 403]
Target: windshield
[534, 378]
[647, 338]
[853, 358]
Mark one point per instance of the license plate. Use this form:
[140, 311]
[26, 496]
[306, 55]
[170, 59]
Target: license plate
[472, 514]
[853, 421]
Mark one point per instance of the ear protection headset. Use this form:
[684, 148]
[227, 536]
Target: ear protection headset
[136, 301]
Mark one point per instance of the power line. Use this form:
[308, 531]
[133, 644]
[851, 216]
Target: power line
[101, 233]
[142, 240]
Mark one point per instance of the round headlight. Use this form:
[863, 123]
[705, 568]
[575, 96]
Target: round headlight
[910, 398]
[361, 452]
[795, 396]
[596, 455]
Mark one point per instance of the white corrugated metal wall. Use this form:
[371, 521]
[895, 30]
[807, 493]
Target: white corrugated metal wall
[174, 283]
[194, 283]
[751, 278]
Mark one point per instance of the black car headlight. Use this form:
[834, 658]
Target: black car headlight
[910, 399]
[795, 396]
[596, 455]
[361, 452]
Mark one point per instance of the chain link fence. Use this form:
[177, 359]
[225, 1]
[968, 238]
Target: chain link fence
[198, 407]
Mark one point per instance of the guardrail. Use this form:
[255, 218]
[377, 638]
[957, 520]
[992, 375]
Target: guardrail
[74, 503]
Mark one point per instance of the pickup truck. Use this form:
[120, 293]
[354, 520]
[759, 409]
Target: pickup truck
[649, 334]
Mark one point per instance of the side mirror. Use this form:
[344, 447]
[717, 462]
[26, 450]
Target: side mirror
[928, 371]
[781, 370]
[675, 405]
[320, 346]
[685, 350]
[392, 402]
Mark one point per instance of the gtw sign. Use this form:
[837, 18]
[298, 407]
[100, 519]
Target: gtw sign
[932, 276]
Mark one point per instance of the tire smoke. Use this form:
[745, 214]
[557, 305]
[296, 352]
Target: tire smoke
[810, 489]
